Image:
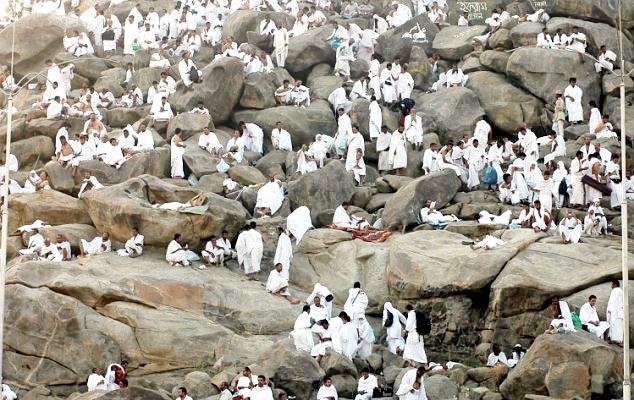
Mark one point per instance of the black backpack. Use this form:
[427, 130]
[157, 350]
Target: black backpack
[108, 35]
[423, 325]
[193, 74]
[563, 187]
[389, 320]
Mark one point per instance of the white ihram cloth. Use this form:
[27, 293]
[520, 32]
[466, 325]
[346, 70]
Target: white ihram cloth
[299, 222]
[176, 153]
[284, 253]
[96, 246]
[414, 345]
[270, 196]
[394, 333]
[276, 282]
[301, 334]
[349, 337]
[356, 303]
[250, 248]
[322, 292]
[614, 314]
[366, 386]
[406, 389]
[588, 314]
[175, 253]
[575, 110]
[571, 229]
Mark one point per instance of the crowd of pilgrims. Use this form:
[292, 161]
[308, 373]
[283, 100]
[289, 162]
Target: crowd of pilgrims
[510, 166]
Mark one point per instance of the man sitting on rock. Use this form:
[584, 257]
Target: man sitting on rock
[277, 284]
[176, 253]
[98, 245]
[342, 220]
[570, 228]
[213, 254]
[367, 384]
[589, 317]
[133, 246]
[496, 357]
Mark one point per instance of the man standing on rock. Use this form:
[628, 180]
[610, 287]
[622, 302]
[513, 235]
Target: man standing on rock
[414, 351]
[280, 43]
[250, 248]
[614, 313]
[573, 94]
[283, 252]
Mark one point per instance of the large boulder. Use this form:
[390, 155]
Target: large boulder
[309, 49]
[92, 283]
[561, 366]
[455, 111]
[71, 327]
[44, 33]
[494, 60]
[332, 258]
[259, 90]
[391, 43]
[219, 91]
[116, 209]
[597, 34]
[506, 106]
[542, 71]
[302, 123]
[153, 162]
[404, 206]
[292, 370]
[50, 206]
[323, 189]
[33, 152]
[525, 34]
[421, 69]
[59, 178]
[414, 269]
[454, 42]
[440, 387]
[189, 123]
[528, 282]
[239, 23]
[612, 107]
[596, 10]
[88, 66]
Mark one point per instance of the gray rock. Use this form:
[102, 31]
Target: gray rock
[440, 387]
[246, 175]
[309, 49]
[392, 44]
[501, 39]
[542, 71]
[190, 124]
[239, 23]
[323, 189]
[404, 206]
[33, 152]
[259, 89]
[59, 178]
[454, 42]
[129, 205]
[45, 33]
[220, 90]
[455, 111]
[302, 123]
[525, 34]
[506, 106]
[495, 60]
[597, 34]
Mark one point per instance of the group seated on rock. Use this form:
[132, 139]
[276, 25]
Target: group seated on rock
[114, 379]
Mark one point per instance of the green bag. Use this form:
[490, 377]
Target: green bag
[576, 321]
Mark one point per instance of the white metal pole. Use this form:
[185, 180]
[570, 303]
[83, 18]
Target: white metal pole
[5, 230]
[624, 228]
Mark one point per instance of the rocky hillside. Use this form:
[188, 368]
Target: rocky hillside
[197, 328]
